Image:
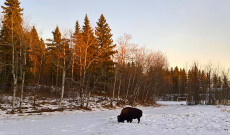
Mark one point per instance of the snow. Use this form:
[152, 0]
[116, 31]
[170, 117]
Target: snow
[172, 118]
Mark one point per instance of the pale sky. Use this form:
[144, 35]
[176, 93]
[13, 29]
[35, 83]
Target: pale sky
[185, 30]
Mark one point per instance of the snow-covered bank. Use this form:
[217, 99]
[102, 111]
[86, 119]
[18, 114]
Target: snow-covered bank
[170, 119]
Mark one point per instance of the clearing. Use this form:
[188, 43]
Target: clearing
[172, 118]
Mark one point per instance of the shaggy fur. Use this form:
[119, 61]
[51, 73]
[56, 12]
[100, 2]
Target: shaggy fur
[129, 114]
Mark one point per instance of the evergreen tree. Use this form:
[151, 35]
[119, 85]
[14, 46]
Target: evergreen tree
[219, 84]
[77, 51]
[12, 36]
[215, 84]
[41, 53]
[176, 81]
[203, 85]
[57, 37]
[77, 29]
[225, 87]
[193, 89]
[196, 81]
[12, 22]
[89, 47]
[54, 50]
[104, 37]
[34, 51]
[89, 57]
[215, 81]
[183, 81]
[225, 82]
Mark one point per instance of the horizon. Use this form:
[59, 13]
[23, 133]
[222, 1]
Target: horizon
[187, 32]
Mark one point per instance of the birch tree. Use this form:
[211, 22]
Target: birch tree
[12, 28]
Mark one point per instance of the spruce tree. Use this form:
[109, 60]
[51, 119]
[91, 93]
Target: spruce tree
[11, 36]
[183, 81]
[104, 37]
[37, 54]
[225, 82]
[56, 37]
[176, 80]
[89, 57]
[77, 29]
[77, 52]
[41, 58]
[53, 56]
[12, 23]
[89, 46]
[203, 85]
[55, 51]
[34, 51]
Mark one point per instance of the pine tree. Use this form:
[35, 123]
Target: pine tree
[77, 51]
[225, 87]
[225, 82]
[219, 84]
[89, 57]
[196, 81]
[12, 23]
[90, 47]
[204, 85]
[41, 58]
[77, 29]
[176, 81]
[193, 85]
[35, 51]
[57, 37]
[104, 37]
[11, 36]
[54, 53]
[183, 81]
[60, 56]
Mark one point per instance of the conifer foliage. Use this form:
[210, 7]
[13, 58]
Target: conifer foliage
[11, 37]
[104, 37]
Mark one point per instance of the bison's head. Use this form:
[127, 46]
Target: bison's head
[120, 119]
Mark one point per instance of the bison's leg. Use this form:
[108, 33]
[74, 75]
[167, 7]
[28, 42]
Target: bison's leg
[128, 120]
[131, 120]
[138, 120]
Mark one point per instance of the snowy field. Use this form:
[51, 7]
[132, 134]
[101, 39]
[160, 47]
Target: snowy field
[171, 119]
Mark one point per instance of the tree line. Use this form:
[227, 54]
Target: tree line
[87, 62]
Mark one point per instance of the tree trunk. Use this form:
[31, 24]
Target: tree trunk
[15, 80]
[63, 78]
[40, 71]
[82, 90]
[57, 77]
[87, 103]
[62, 88]
[136, 94]
[23, 79]
[146, 95]
[119, 89]
[114, 88]
[127, 91]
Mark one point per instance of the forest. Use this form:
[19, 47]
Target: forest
[87, 63]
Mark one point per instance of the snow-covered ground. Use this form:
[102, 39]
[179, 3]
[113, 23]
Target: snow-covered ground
[174, 118]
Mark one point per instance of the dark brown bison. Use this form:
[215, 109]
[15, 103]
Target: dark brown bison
[129, 113]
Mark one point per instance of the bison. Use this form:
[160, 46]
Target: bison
[129, 113]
